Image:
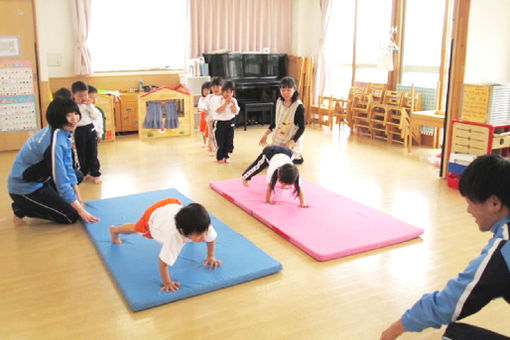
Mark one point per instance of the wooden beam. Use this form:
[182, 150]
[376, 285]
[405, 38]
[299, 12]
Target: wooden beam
[397, 20]
[354, 40]
[445, 57]
[457, 68]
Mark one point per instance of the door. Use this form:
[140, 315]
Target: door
[19, 93]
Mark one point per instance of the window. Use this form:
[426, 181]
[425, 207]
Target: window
[422, 43]
[137, 35]
[373, 32]
[339, 47]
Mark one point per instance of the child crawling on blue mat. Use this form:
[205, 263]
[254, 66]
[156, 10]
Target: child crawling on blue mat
[278, 160]
[172, 225]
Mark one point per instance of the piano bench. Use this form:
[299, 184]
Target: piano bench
[265, 107]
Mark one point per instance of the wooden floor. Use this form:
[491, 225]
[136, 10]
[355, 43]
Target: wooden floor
[54, 284]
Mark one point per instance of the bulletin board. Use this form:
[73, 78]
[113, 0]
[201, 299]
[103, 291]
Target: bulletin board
[17, 100]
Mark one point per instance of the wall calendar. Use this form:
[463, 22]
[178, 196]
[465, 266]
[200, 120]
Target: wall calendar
[17, 102]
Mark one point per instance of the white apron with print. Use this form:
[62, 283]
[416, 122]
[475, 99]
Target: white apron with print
[285, 128]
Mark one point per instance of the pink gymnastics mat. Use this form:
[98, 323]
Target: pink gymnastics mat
[333, 226]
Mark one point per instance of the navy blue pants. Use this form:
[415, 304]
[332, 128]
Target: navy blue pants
[85, 138]
[224, 135]
[462, 331]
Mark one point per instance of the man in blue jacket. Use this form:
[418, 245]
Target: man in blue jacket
[485, 184]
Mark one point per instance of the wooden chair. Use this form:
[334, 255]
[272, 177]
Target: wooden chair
[361, 114]
[339, 114]
[353, 92]
[320, 113]
[381, 112]
[398, 124]
[408, 100]
[377, 90]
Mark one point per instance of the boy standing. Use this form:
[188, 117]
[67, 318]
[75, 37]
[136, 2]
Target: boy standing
[85, 136]
[98, 123]
[485, 184]
[173, 225]
[224, 109]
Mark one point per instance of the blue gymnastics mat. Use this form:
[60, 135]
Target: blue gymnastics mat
[134, 263]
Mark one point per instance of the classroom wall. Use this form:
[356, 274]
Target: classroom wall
[55, 38]
[488, 49]
[488, 43]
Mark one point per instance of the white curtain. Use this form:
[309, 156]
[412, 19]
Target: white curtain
[322, 82]
[240, 25]
[81, 18]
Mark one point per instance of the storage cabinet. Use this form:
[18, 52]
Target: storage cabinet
[170, 113]
[126, 115]
[106, 104]
[475, 139]
[480, 139]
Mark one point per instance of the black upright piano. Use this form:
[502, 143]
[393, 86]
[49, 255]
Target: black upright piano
[256, 77]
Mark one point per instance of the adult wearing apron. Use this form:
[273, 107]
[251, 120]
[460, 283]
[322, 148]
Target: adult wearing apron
[289, 123]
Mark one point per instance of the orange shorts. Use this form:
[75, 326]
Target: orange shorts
[142, 226]
[203, 125]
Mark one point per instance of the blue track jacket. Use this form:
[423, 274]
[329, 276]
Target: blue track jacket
[486, 278]
[37, 148]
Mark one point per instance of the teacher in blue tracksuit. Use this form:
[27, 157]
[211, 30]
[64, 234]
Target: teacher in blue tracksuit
[42, 182]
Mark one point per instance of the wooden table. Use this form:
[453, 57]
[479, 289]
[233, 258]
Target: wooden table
[431, 118]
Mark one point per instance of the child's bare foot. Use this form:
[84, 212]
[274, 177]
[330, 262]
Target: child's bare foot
[18, 221]
[246, 183]
[212, 154]
[115, 235]
[226, 160]
[87, 178]
[97, 180]
[221, 161]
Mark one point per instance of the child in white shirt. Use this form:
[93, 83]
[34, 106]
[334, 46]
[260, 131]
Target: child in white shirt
[224, 110]
[85, 135]
[206, 90]
[172, 225]
[98, 123]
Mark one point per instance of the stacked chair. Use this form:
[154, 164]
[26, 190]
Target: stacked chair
[321, 113]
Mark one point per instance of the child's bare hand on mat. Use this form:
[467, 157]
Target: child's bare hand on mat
[304, 205]
[170, 286]
[212, 263]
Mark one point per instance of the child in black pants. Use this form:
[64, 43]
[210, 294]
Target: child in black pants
[85, 135]
[224, 108]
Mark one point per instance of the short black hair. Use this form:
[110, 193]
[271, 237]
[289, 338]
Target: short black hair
[58, 109]
[192, 219]
[63, 92]
[228, 85]
[289, 82]
[288, 174]
[91, 89]
[206, 85]
[217, 81]
[78, 86]
[486, 176]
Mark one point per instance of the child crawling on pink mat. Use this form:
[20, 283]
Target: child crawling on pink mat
[172, 225]
[278, 160]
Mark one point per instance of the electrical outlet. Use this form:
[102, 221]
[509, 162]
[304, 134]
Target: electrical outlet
[54, 59]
